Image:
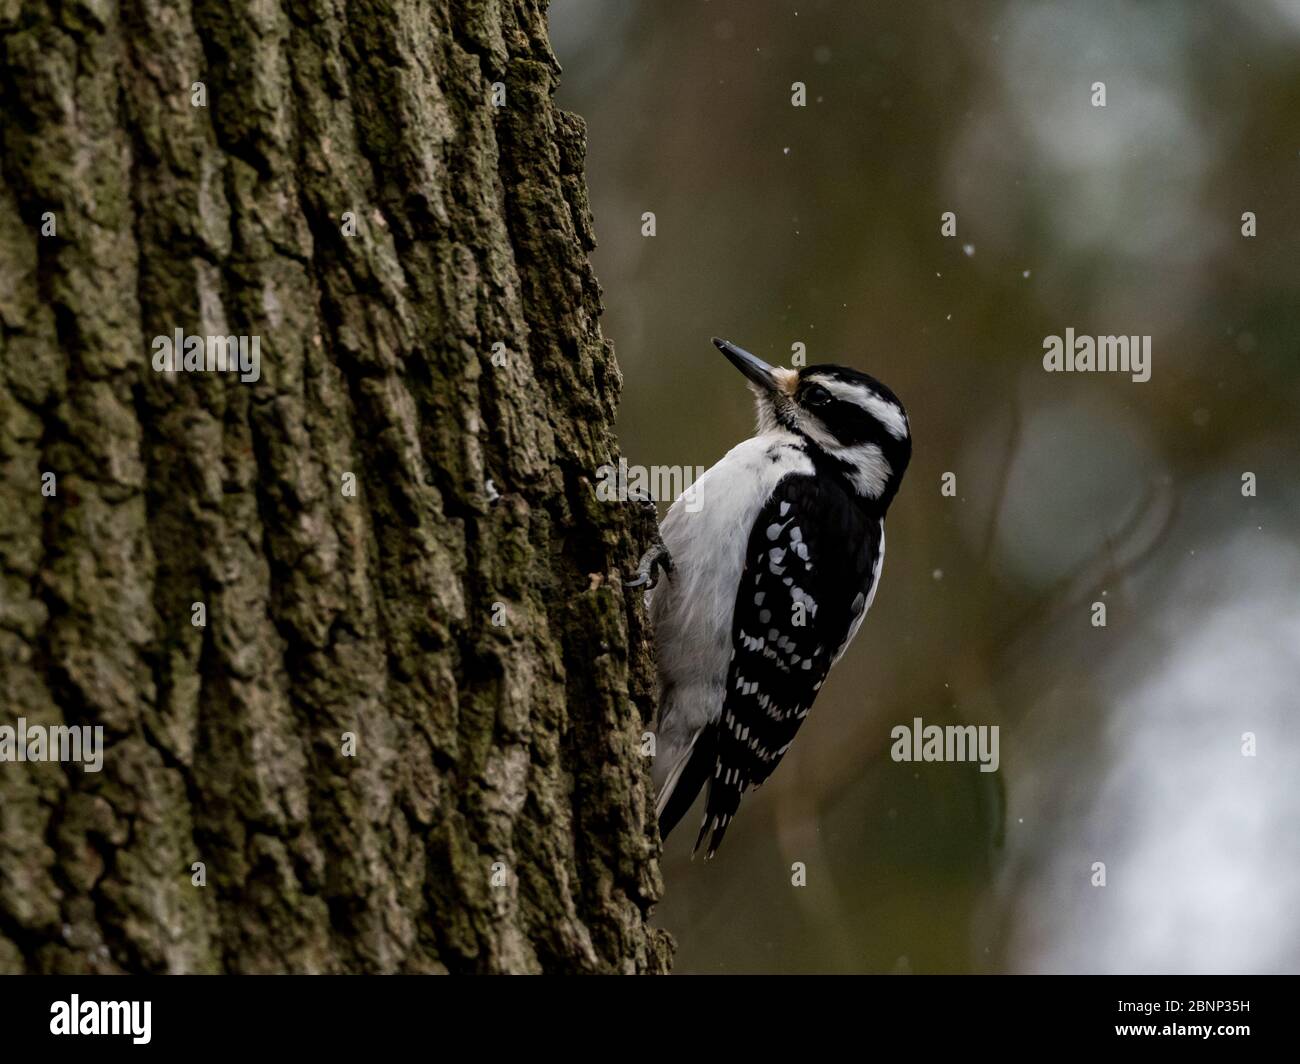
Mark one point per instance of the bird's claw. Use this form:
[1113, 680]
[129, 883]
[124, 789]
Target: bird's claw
[647, 571]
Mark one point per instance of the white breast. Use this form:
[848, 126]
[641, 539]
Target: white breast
[692, 609]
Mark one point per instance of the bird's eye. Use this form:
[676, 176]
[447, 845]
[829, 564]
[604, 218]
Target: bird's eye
[816, 396]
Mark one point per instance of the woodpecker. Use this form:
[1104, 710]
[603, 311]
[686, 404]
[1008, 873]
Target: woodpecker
[770, 571]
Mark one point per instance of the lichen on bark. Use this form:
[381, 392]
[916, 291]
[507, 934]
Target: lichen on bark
[478, 744]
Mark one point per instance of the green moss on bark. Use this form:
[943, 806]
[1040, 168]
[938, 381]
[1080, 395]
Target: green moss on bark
[479, 745]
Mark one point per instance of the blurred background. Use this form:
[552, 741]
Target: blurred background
[820, 225]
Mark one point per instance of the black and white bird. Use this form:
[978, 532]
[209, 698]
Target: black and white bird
[773, 564]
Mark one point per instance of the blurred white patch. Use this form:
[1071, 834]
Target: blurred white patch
[1125, 180]
[1199, 841]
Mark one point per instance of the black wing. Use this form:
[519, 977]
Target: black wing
[812, 557]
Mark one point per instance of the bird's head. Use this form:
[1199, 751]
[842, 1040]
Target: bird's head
[849, 417]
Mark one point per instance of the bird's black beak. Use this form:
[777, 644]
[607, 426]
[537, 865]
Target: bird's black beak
[751, 366]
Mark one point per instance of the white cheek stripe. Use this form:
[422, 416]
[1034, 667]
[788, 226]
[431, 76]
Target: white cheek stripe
[887, 413]
[869, 471]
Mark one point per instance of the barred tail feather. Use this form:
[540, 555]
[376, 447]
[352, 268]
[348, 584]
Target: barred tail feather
[725, 791]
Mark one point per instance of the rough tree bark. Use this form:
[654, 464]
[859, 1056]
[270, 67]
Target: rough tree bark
[478, 744]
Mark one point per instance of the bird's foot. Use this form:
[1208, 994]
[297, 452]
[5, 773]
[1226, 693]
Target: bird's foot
[653, 561]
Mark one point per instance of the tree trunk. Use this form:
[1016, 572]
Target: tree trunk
[459, 612]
